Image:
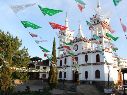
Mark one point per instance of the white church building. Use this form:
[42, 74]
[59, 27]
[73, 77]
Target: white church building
[95, 60]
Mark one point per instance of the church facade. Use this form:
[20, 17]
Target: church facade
[94, 59]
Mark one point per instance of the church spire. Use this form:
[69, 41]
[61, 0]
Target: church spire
[80, 34]
[98, 8]
[98, 4]
[66, 20]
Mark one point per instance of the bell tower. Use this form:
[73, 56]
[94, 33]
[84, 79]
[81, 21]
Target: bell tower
[100, 23]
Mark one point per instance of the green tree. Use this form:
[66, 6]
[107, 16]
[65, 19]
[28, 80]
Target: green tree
[53, 80]
[12, 58]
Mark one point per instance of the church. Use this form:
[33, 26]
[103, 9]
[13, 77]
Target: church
[93, 59]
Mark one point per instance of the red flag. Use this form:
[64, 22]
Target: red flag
[67, 47]
[81, 7]
[33, 35]
[57, 26]
[123, 26]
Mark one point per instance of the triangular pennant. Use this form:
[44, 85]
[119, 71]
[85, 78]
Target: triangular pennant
[57, 26]
[80, 2]
[67, 47]
[96, 37]
[48, 11]
[27, 24]
[67, 43]
[44, 49]
[116, 2]
[33, 35]
[71, 53]
[17, 8]
[81, 7]
[112, 37]
[123, 26]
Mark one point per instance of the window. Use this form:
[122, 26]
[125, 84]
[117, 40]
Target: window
[60, 62]
[86, 58]
[44, 68]
[43, 75]
[37, 67]
[76, 59]
[60, 74]
[75, 47]
[97, 58]
[65, 61]
[86, 75]
[64, 74]
[97, 74]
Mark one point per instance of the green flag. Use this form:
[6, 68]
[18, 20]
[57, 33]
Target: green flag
[114, 49]
[44, 49]
[27, 24]
[112, 37]
[50, 12]
[49, 58]
[71, 53]
[116, 2]
[67, 43]
[96, 37]
[88, 23]
[80, 1]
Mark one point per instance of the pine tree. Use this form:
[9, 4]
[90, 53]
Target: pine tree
[53, 80]
[11, 57]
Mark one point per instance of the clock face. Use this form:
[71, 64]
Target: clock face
[75, 47]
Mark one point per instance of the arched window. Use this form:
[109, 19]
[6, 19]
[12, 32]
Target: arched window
[60, 62]
[64, 74]
[60, 74]
[97, 74]
[86, 75]
[76, 59]
[86, 58]
[97, 58]
[65, 61]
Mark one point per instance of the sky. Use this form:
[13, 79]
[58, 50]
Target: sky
[9, 21]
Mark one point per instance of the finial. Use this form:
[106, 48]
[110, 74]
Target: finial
[80, 27]
[98, 4]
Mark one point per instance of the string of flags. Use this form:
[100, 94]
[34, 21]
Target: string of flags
[51, 12]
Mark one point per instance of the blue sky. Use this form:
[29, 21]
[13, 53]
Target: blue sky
[11, 22]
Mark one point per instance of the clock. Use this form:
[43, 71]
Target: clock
[75, 47]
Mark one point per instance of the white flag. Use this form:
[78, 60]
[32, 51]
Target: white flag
[17, 8]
